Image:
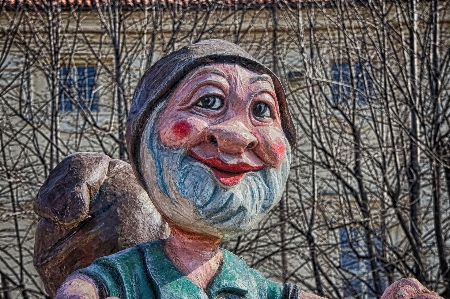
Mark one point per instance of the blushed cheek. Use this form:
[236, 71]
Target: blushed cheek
[175, 134]
[279, 152]
[183, 132]
[181, 129]
[279, 148]
[272, 147]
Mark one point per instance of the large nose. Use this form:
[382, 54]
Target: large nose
[232, 137]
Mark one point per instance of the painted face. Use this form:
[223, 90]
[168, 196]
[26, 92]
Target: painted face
[218, 151]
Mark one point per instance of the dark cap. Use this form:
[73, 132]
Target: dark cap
[163, 77]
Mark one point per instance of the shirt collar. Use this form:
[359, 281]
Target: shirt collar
[232, 277]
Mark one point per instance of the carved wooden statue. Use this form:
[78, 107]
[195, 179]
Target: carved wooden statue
[209, 138]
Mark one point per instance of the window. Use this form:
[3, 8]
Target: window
[77, 89]
[346, 85]
[352, 243]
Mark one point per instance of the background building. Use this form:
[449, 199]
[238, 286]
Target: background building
[368, 84]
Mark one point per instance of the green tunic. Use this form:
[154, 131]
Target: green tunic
[144, 271]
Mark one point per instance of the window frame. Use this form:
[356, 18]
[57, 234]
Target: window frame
[350, 80]
[80, 95]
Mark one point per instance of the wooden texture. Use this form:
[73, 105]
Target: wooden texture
[90, 206]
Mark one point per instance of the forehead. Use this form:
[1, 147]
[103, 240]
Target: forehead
[232, 73]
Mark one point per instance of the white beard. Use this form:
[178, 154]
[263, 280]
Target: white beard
[186, 192]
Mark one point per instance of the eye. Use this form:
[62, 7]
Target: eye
[261, 110]
[210, 102]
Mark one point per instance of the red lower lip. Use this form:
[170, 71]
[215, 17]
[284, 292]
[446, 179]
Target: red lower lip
[227, 178]
[227, 174]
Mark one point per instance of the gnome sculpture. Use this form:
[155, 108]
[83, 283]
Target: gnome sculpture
[209, 139]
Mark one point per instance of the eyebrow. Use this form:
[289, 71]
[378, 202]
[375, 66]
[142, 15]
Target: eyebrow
[262, 77]
[209, 69]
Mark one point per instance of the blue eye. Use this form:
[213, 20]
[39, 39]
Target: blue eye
[261, 110]
[210, 102]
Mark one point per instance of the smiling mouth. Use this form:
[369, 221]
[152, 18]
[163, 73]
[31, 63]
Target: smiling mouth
[227, 174]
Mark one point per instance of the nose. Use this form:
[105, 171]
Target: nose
[232, 137]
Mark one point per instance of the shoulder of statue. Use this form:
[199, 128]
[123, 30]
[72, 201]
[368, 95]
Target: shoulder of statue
[130, 255]
[111, 273]
[229, 256]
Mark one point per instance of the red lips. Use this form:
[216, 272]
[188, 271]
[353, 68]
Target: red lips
[227, 174]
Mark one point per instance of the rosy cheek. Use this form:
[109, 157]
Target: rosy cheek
[279, 148]
[181, 129]
[272, 150]
[175, 135]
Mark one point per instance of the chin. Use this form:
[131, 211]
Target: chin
[186, 192]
